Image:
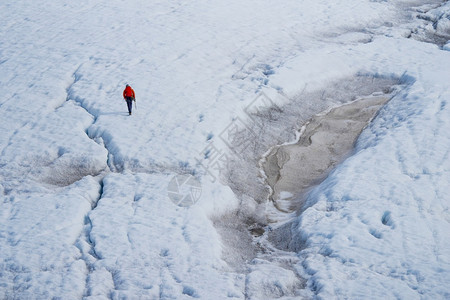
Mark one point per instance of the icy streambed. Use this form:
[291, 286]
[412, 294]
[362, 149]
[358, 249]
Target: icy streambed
[290, 170]
[325, 140]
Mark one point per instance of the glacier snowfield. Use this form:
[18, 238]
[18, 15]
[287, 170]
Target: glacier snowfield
[177, 201]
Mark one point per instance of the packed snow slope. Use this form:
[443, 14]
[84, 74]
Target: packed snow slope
[85, 212]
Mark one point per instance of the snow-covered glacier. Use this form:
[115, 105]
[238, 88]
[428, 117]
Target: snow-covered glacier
[174, 202]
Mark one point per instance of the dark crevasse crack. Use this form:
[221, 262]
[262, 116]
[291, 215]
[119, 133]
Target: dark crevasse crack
[89, 228]
[99, 139]
[86, 244]
[105, 139]
[71, 94]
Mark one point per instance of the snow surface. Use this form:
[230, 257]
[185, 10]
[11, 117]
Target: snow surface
[85, 211]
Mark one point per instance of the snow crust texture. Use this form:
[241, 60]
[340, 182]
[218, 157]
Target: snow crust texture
[84, 205]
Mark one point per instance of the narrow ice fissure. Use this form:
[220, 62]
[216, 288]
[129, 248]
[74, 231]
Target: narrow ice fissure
[89, 254]
[85, 242]
[98, 139]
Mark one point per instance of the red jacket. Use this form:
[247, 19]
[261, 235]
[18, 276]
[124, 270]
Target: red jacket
[128, 92]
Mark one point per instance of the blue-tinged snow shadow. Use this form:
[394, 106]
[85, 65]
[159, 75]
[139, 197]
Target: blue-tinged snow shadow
[116, 113]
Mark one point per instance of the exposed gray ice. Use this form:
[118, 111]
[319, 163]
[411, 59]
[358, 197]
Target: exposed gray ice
[271, 176]
[327, 139]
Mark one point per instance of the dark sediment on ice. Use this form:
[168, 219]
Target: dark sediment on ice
[326, 140]
[245, 232]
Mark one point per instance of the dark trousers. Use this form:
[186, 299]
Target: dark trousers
[129, 103]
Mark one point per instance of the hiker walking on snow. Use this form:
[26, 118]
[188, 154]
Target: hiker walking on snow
[129, 96]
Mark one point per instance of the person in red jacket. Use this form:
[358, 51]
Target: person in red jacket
[129, 96]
